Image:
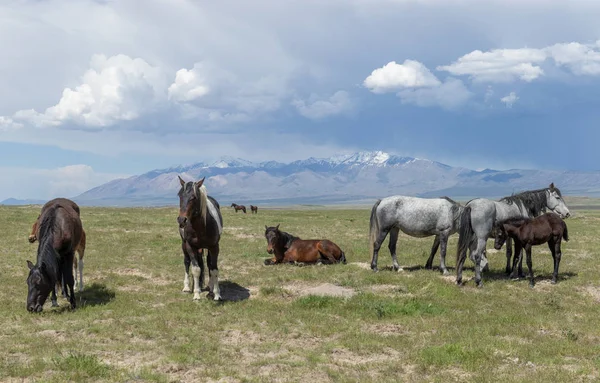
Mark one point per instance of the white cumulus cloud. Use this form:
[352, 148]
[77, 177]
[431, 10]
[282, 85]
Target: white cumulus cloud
[117, 88]
[449, 95]
[318, 108]
[392, 77]
[499, 65]
[509, 99]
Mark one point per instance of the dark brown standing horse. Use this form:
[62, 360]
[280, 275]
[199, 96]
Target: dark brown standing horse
[200, 227]
[289, 249]
[237, 207]
[58, 235]
[254, 209]
[77, 261]
[527, 233]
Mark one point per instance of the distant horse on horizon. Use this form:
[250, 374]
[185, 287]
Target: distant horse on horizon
[237, 207]
[80, 249]
[58, 235]
[417, 217]
[288, 248]
[481, 215]
[526, 233]
[254, 209]
[200, 227]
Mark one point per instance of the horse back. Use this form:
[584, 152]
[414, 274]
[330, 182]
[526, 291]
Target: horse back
[68, 229]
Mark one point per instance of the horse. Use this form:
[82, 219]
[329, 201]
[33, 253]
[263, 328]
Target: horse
[417, 217]
[254, 209]
[480, 215]
[548, 228]
[288, 248]
[200, 227]
[77, 261]
[237, 207]
[58, 235]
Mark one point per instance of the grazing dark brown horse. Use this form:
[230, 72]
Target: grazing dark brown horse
[289, 249]
[77, 261]
[58, 235]
[526, 233]
[237, 207]
[254, 209]
[200, 227]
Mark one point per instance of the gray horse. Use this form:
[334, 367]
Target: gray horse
[480, 215]
[417, 217]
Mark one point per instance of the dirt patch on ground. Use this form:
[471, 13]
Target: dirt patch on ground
[325, 289]
[386, 329]
[362, 265]
[591, 291]
[156, 280]
[345, 356]
[54, 334]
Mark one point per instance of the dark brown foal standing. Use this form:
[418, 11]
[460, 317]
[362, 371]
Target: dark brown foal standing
[526, 233]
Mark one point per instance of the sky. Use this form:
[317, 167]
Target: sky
[94, 90]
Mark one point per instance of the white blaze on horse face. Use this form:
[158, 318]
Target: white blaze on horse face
[214, 284]
[196, 275]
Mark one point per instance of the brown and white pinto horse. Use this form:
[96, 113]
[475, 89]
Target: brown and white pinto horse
[290, 249]
[237, 207]
[254, 209]
[77, 261]
[200, 227]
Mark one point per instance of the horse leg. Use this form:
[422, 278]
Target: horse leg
[196, 260]
[53, 297]
[376, 246]
[460, 263]
[325, 255]
[443, 240]
[80, 252]
[479, 253]
[186, 265]
[213, 272]
[557, 255]
[434, 249]
[517, 269]
[392, 246]
[509, 253]
[529, 265]
[67, 272]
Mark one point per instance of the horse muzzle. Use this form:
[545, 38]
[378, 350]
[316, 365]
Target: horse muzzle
[36, 308]
[269, 251]
[32, 238]
[181, 221]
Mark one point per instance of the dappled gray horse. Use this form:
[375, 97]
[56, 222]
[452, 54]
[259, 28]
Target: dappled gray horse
[417, 217]
[480, 215]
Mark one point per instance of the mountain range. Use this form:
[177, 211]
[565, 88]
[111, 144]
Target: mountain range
[353, 178]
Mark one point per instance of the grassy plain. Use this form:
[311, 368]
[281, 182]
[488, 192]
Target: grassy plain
[133, 322]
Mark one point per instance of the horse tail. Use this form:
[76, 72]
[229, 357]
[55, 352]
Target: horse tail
[465, 233]
[565, 232]
[374, 227]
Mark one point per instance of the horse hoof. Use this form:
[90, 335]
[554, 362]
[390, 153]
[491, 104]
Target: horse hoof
[554, 281]
[531, 285]
[374, 268]
[196, 297]
[459, 282]
[428, 267]
[54, 304]
[445, 272]
[479, 284]
[398, 269]
[217, 298]
[186, 290]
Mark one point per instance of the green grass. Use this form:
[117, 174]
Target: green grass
[133, 323]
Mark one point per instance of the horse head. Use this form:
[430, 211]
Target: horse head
[555, 202]
[189, 200]
[500, 236]
[272, 235]
[39, 286]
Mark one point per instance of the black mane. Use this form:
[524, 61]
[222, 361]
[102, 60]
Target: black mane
[46, 253]
[534, 201]
[284, 238]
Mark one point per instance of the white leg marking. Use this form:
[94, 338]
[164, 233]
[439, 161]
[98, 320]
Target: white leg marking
[214, 284]
[196, 275]
[186, 283]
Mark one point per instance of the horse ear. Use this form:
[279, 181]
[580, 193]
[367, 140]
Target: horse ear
[182, 182]
[199, 183]
[552, 186]
[266, 228]
[29, 264]
[277, 227]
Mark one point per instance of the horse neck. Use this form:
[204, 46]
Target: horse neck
[48, 255]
